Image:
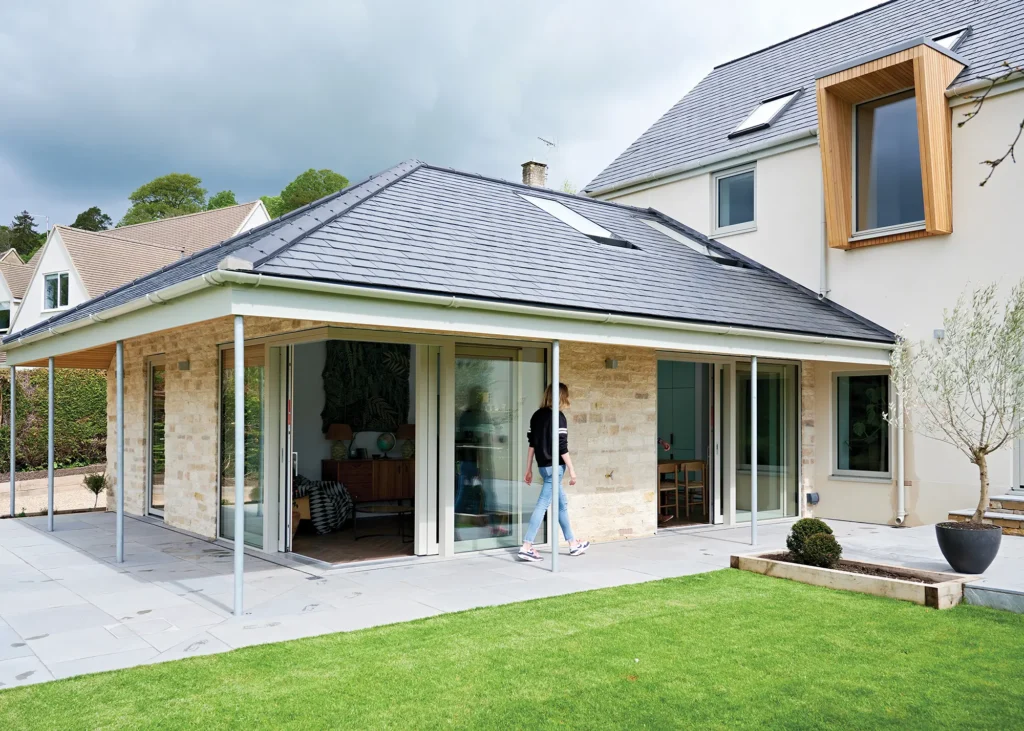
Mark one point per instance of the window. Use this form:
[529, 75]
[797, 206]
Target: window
[5, 316]
[888, 190]
[55, 291]
[765, 113]
[950, 41]
[582, 224]
[733, 196]
[862, 434]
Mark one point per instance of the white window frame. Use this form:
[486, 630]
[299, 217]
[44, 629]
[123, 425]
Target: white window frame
[833, 420]
[67, 291]
[871, 233]
[738, 228]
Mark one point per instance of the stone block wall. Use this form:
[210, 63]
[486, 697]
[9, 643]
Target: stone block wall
[613, 424]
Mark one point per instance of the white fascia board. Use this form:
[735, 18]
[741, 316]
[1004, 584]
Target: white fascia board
[206, 304]
[463, 317]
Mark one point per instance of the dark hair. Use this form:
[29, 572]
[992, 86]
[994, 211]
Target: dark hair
[563, 397]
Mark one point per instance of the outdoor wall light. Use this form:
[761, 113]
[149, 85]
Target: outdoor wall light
[611, 363]
[812, 498]
[939, 333]
[184, 365]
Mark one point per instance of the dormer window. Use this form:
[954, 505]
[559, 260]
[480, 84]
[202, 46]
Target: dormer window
[765, 113]
[950, 41]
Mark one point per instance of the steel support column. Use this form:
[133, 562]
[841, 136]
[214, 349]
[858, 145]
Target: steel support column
[119, 520]
[555, 486]
[14, 374]
[239, 462]
[753, 451]
[49, 449]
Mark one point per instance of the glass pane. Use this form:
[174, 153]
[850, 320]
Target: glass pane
[50, 292]
[863, 435]
[492, 503]
[777, 441]
[5, 315]
[253, 434]
[63, 290]
[736, 199]
[157, 441]
[889, 189]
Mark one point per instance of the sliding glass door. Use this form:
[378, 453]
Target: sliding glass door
[496, 391]
[254, 436]
[778, 447]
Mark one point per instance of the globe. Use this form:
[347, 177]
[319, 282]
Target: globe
[386, 442]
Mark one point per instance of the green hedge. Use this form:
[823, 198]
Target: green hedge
[79, 418]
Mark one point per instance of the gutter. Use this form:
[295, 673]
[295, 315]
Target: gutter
[732, 152]
[222, 277]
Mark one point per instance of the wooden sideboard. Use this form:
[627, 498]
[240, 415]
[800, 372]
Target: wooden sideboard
[369, 480]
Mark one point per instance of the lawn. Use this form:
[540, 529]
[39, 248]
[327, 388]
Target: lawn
[721, 650]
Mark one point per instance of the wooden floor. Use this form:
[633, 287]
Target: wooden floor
[341, 548]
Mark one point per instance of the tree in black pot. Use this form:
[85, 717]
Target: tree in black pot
[967, 389]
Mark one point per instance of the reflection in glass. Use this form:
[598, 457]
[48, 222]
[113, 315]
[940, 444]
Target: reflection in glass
[157, 438]
[253, 434]
[490, 446]
[736, 199]
[889, 190]
[777, 441]
[862, 433]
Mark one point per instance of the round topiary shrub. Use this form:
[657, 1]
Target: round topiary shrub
[821, 550]
[802, 530]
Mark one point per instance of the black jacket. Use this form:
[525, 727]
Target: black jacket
[539, 436]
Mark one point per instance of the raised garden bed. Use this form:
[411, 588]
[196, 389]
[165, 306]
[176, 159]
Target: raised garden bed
[936, 589]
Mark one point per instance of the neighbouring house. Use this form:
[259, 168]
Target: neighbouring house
[14, 277]
[74, 266]
[395, 339]
[837, 158]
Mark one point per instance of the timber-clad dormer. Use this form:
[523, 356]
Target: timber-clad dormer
[885, 138]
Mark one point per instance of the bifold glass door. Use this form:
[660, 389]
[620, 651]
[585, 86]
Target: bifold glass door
[253, 432]
[156, 438]
[497, 389]
[778, 446]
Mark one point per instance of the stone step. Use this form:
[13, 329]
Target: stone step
[1007, 504]
[1012, 524]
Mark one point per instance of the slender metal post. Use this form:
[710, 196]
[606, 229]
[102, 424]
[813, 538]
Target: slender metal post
[901, 500]
[555, 423]
[49, 451]
[239, 461]
[753, 450]
[119, 520]
[14, 410]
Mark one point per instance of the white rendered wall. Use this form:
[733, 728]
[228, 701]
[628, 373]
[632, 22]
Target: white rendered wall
[53, 259]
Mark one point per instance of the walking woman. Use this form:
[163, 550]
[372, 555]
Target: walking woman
[539, 438]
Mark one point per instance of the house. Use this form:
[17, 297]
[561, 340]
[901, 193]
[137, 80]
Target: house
[14, 276]
[359, 374]
[74, 266]
[838, 158]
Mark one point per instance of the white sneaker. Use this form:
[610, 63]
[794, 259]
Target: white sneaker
[580, 548]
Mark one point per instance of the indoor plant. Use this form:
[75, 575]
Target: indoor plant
[966, 388]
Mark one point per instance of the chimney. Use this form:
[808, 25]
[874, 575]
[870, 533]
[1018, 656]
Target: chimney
[535, 174]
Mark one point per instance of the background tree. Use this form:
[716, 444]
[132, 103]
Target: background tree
[164, 197]
[274, 204]
[967, 388]
[23, 236]
[310, 186]
[92, 219]
[222, 199]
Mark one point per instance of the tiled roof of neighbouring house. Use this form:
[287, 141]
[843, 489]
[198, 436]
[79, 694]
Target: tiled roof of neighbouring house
[421, 228]
[698, 126]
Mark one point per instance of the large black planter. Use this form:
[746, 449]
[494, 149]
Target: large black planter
[968, 550]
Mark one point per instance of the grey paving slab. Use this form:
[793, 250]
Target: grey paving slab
[85, 614]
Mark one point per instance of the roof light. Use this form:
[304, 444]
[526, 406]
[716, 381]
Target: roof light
[570, 217]
[950, 41]
[686, 240]
[765, 113]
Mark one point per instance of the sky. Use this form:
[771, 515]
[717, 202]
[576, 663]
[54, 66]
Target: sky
[98, 98]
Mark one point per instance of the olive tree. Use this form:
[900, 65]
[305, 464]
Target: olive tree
[967, 387]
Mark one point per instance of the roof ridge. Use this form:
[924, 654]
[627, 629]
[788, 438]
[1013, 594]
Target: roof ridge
[108, 235]
[176, 218]
[719, 246]
[805, 33]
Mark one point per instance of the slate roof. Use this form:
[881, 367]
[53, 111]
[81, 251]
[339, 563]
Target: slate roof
[698, 125]
[421, 228]
[192, 232]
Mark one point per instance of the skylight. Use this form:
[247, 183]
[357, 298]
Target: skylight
[765, 113]
[570, 217]
[950, 41]
[683, 239]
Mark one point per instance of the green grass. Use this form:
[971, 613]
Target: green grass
[721, 650]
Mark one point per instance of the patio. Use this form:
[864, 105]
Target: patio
[70, 609]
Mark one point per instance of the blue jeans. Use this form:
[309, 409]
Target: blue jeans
[544, 501]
